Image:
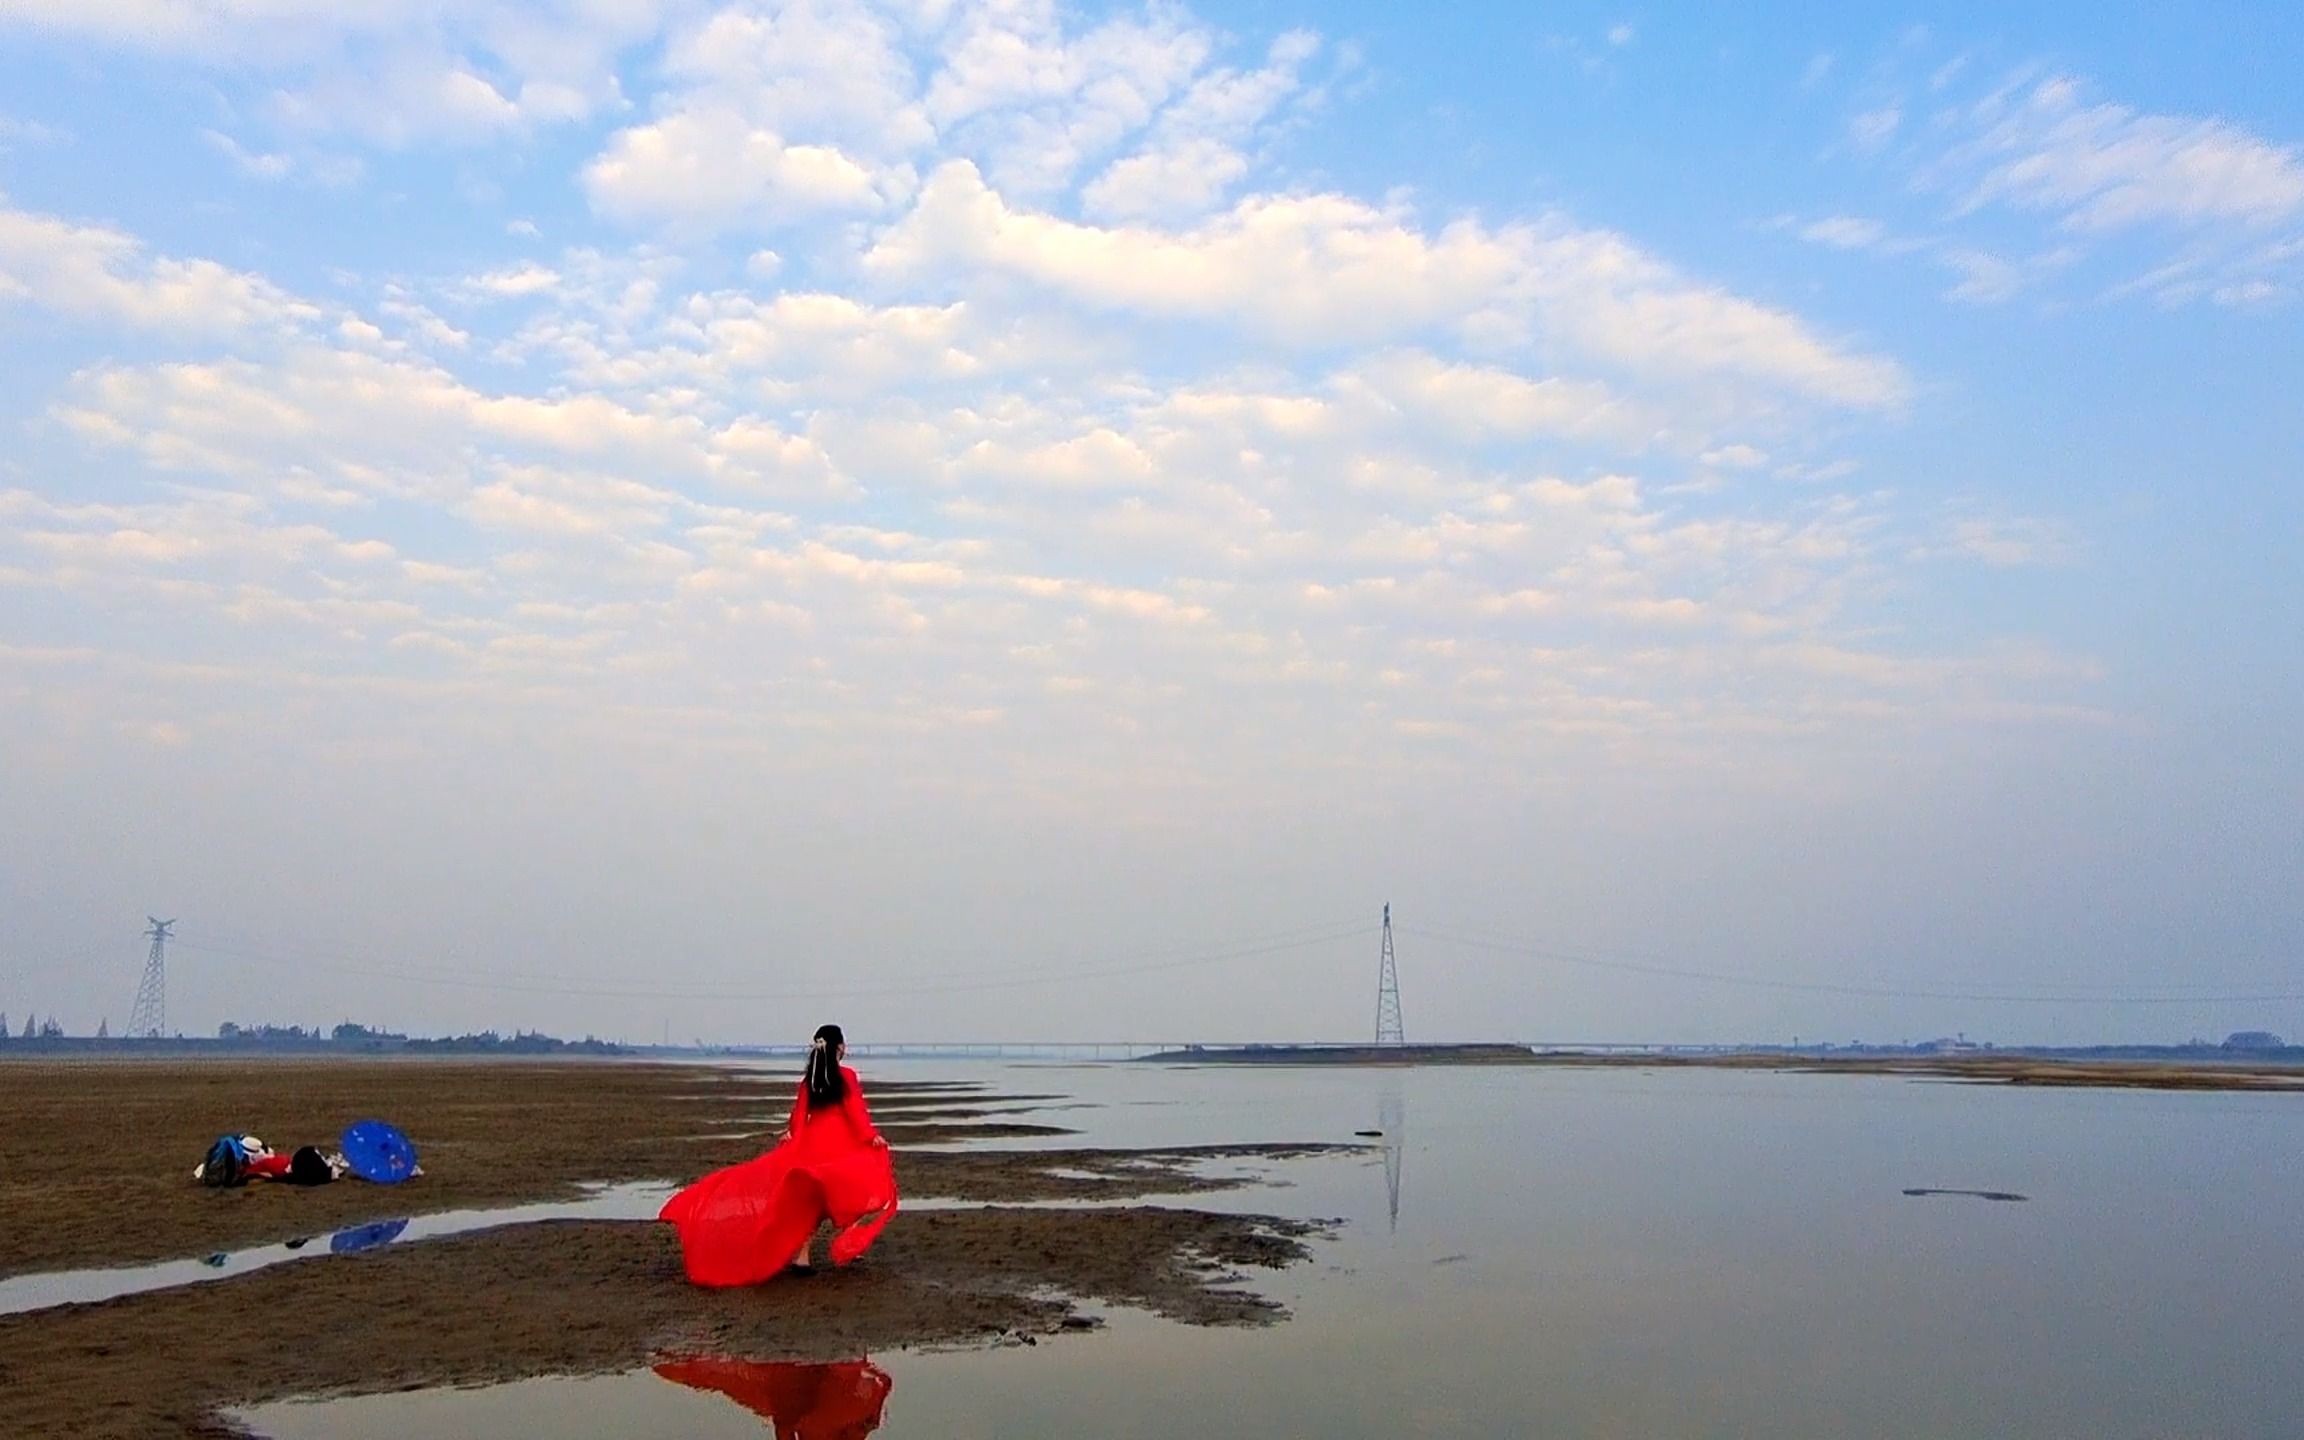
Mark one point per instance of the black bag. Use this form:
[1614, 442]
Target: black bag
[309, 1167]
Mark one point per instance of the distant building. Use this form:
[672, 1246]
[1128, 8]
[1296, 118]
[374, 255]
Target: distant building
[1951, 1045]
[2252, 1040]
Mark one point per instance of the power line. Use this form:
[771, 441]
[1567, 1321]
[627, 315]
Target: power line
[1567, 957]
[1333, 933]
[1622, 957]
[316, 957]
[68, 959]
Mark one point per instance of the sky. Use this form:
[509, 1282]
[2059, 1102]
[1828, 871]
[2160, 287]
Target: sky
[1017, 520]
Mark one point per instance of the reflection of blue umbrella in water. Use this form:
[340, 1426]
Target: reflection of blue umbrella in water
[365, 1237]
[377, 1151]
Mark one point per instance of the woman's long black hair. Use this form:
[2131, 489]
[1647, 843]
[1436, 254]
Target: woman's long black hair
[826, 1085]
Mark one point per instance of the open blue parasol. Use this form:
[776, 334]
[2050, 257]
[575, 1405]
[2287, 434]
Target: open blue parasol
[379, 1152]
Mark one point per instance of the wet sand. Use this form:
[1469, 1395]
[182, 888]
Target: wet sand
[596, 1297]
[96, 1157]
[95, 1163]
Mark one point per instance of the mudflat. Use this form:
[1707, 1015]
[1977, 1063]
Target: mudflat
[595, 1297]
[95, 1162]
[96, 1156]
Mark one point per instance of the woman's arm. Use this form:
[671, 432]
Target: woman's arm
[799, 1111]
[858, 1116]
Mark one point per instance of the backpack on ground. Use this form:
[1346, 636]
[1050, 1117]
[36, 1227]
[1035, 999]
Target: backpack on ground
[227, 1163]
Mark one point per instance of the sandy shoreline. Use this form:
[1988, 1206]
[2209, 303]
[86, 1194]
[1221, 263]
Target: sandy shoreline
[94, 1170]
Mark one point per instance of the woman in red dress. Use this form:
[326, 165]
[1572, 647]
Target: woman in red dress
[741, 1225]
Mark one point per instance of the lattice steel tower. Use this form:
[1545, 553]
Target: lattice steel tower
[1388, 1031]
[150, 1017]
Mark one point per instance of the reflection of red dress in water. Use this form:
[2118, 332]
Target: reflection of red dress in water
[803, 1402]
[740, 1225]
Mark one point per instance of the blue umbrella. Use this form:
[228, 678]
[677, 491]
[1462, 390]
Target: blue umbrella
[376, 1151]
[365, 1237]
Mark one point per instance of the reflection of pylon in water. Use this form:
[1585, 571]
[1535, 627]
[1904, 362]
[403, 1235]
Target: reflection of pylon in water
[1392, 1119]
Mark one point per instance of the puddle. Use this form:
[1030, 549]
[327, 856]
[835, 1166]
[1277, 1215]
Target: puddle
[845, 1397]
[81, 1287]
[690, 1396]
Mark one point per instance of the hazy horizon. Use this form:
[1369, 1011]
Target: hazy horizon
[1012, 520]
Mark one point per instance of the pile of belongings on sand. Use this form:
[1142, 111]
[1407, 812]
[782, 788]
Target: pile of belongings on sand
[368, 1150]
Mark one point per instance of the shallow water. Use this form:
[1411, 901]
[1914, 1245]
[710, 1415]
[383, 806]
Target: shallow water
[1615, 1253]
[78, 1287]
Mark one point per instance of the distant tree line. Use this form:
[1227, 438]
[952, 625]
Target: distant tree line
[348, 1035]
[524, 1042]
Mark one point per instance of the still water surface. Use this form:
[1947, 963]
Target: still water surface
[1608, 1253]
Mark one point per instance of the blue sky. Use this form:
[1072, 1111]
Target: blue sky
[626, 516]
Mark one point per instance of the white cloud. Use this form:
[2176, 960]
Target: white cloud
[2110, 183]
[382, 426]
[1181, 177]
[1845, 232]
[255, 165]
[1419, 449]
[1192, 155]
[2249, 293]
[1471, 403]
[15, 133]
[715, 168]
[1321, 269]
[515, 281]
[833, 72]
[1034, 103]
[1736, 457]
[1984, 278]
[398, 73]
[93, 272]
[2106, 167]
[1873, 129]
[2004, 542]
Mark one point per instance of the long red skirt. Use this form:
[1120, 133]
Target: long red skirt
[741, 1225]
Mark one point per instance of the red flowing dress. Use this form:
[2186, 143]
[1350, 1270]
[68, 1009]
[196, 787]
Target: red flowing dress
[743, 1224]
